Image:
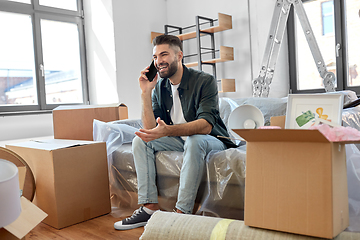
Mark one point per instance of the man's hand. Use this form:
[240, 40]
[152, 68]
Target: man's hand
[145, 84]
[161, 130]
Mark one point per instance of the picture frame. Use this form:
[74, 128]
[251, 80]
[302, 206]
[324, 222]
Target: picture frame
[305, 110]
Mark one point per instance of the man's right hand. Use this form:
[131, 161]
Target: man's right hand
[145, 84]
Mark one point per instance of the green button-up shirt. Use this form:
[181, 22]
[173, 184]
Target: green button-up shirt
[199, 100]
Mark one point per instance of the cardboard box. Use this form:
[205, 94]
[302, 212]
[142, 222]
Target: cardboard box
[72, 183]
[278, 121]
[76, 122]
[296, 181]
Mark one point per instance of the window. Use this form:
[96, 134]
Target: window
[42, 63]
[336, 26]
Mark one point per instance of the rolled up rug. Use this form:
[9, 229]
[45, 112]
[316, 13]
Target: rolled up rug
[175, 226]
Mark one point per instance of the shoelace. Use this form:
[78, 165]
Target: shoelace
[136, 212]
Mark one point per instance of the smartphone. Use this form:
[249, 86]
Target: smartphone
[152, 72]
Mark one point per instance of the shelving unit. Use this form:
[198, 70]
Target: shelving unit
[226, 53]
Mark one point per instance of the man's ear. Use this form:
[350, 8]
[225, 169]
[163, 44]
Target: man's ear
[180, 56]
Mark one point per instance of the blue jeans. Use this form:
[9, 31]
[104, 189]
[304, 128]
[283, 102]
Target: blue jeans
[195, 149]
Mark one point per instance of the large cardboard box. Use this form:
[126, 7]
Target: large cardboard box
[76, 122]
[296, 182]
[72, 183]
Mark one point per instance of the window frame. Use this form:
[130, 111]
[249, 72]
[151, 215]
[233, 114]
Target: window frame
[342, 71]
[37, 13]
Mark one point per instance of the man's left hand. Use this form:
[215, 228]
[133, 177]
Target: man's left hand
[161, 130]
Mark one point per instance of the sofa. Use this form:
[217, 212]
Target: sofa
[221, 192]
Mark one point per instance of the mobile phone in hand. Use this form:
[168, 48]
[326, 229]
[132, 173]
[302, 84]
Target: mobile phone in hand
[152, 72]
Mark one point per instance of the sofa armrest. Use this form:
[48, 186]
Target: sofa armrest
[136, 123]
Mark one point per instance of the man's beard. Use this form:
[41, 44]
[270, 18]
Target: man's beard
[172, 69]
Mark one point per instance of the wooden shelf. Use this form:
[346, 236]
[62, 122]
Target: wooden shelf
[226, 54]
[225, 23]
[228, 85]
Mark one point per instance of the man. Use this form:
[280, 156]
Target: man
[179, 113]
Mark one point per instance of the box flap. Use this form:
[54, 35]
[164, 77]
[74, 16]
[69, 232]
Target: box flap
[29, 218]
[51, 144]
[281, 135]
[70, 107]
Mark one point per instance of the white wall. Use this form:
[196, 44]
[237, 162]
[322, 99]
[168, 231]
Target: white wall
[251, 23]
[134, 21]
[119, 47]
[25, 126]
[100, 51]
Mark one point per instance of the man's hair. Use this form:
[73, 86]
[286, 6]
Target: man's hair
[172, 40]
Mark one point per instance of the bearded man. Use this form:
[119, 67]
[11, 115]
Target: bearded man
[180, 112]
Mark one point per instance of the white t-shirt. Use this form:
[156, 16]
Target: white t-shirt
[176, 112]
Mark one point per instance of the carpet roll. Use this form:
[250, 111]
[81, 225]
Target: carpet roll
[175, 226]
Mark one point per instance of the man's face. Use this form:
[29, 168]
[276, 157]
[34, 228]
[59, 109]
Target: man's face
[166, 60]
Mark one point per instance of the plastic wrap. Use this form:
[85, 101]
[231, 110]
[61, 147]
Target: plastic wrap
[351, 118]
[118, 136]
[216, 195]
[225, 184]
[353, 176]
[113, 134]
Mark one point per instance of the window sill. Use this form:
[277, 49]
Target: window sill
[3, 114]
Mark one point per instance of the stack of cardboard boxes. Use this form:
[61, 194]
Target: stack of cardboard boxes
[71, 171]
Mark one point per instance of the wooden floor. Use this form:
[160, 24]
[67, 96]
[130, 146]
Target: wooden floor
[97, 228]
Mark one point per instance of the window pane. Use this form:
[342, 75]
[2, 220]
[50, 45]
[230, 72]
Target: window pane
[353, 36]
[17, 74]
[309, 77]
[61, 54]
[63, 4]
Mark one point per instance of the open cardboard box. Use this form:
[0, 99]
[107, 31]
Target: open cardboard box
[296, 181]
[72, 183]
[76, 121]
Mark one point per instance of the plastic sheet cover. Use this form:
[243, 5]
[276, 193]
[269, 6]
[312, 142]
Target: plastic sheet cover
[221, 192]
[118, 136]
[353, 175]
[351, 118]
[225, 184]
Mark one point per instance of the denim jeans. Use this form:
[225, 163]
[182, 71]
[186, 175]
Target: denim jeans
[195, 148]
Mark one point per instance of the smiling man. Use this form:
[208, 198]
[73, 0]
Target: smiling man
[180, 112]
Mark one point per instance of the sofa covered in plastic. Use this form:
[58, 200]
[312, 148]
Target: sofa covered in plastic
[222, 189]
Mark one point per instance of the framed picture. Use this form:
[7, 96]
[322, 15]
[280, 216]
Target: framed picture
[304, 110]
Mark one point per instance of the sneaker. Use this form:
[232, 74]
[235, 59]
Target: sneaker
[138, 219]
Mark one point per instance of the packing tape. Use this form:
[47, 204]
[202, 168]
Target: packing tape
[220, 229]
